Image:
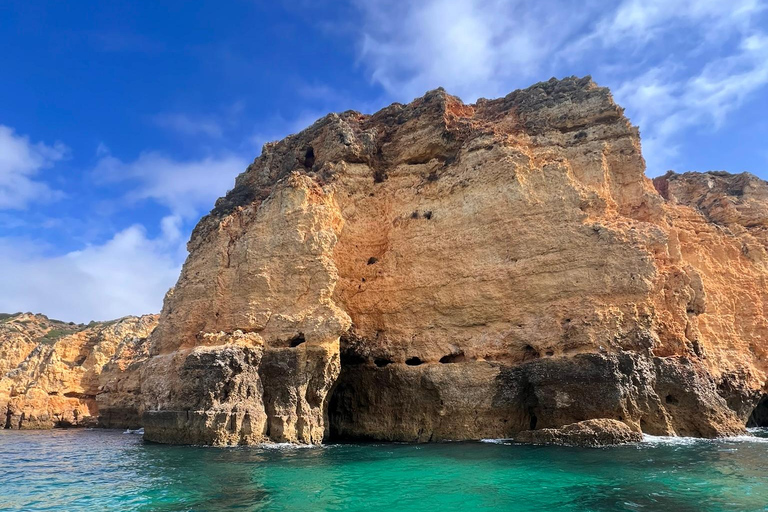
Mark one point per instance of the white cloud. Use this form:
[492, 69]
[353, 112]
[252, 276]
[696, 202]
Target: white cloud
[676, 65]
[643, 20]
[473, 48]
[20, 161]
[668, 104]
[129, 274]
[187, 188]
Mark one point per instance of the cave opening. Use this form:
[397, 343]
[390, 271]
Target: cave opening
[759, 416]
[453, 358]
[350, 358]
[533, 420]
[413, 361]
[381, 362]
[530, 353]
[309, 158]
[297, 340]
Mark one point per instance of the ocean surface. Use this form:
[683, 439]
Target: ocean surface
[94, 470]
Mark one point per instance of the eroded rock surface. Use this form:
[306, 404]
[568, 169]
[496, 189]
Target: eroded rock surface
[66, 374]
[440, 270]
[590, 433]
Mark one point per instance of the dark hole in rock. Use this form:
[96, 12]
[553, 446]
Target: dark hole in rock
[297, 340]
[671, 400]
[428, 215]
[413, 361]
[453, 358]
[363, 279]
[550, 353]
[530, 353]
[349, 358]
[309, 158]
[432, 176]
[379, 176]
[372, 260]
[759, 416]
[534, 420]
[415, 215]
[381, 362]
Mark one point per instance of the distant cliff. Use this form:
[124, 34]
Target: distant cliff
[439, 270]
[56, 374]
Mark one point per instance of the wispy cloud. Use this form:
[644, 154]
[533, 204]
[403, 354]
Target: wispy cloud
[20, 161]
[473, 48]
[675, 64]
[185, 125]
[186, 187]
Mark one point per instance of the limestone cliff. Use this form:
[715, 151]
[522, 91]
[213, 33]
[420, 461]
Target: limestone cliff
[62, 374]
[439, 270]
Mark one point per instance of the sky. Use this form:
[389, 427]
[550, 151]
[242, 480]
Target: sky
[122, 122]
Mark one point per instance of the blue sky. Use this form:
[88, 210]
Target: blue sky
[122, 122]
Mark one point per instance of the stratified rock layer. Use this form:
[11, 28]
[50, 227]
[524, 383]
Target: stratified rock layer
[55, 374]
[447, 271]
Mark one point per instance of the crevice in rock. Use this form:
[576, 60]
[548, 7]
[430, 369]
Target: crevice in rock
[309, 158]
[414, 361]
[759, 416]
[453, 358]
[530, 353]
[351, 359]
[381, 362]
[8, 416]
[81, 396]
[297, 340]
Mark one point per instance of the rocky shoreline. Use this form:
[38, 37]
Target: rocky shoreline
[441, 271]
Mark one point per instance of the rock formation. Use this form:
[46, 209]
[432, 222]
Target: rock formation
[58, 374]
[591, 433]
[439, 270]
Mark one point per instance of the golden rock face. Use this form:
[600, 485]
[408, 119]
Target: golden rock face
[447, 271]
[441, 271]
[59, 374]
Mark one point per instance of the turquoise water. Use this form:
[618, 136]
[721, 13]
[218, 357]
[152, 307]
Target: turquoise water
[90, 470]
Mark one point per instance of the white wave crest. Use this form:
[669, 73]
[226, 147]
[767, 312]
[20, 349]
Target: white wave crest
[686, 441]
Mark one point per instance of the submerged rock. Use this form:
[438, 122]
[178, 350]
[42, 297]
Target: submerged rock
[589, 433]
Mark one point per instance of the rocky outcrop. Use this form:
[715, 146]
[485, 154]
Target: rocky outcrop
[57, 374]
[589, 433]
[439, 270]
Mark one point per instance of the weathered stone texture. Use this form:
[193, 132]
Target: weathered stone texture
[439, 270]
[59, 374]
